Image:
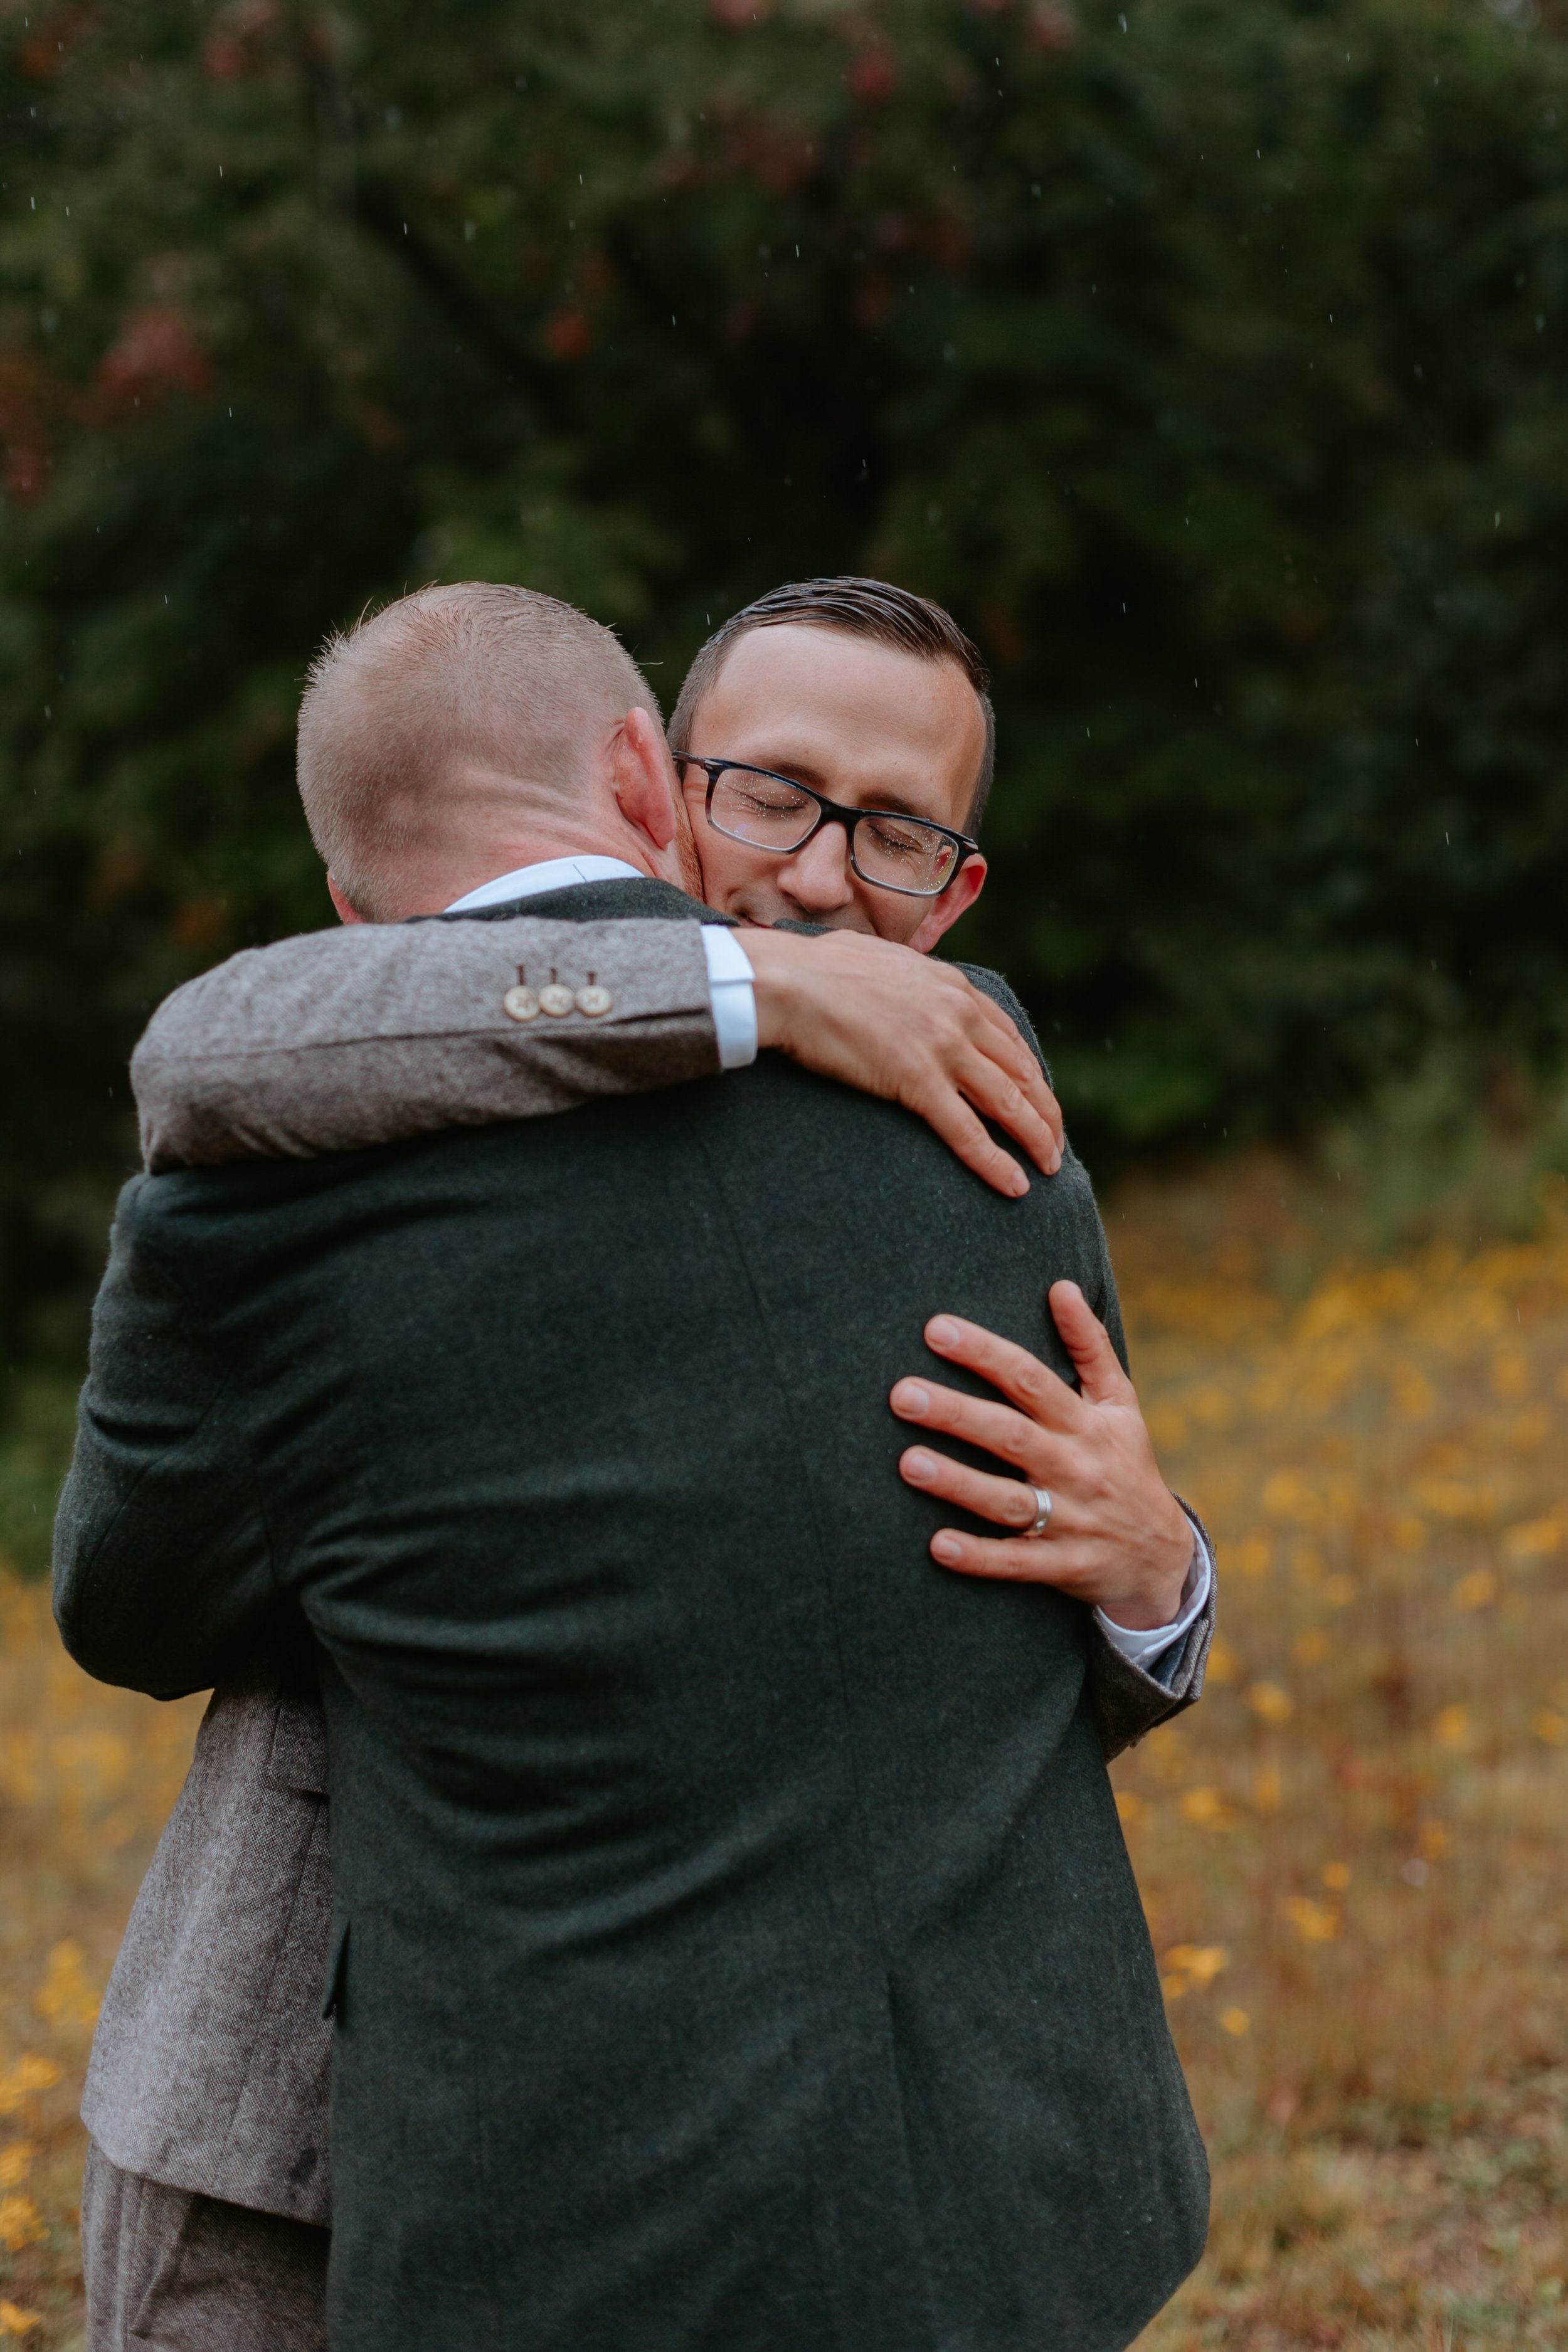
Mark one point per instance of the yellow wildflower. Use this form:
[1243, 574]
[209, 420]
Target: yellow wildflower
[1533, 1538]
[1269, 1702]
[1315, 1923]
[63, 1997]
[21, 2223]
[1199, 1963]
[1207, 1810]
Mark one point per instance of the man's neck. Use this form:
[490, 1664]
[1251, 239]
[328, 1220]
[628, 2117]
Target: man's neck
[469, 864]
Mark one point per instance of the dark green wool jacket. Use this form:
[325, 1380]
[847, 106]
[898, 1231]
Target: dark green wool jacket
[738, 1951]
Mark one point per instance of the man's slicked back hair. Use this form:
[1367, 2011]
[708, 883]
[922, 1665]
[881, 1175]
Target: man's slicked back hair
[474, 676]
[858, 608]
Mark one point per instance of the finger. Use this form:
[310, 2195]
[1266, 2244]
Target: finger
[1030, 1081]
[999, 1039]
[996, 1096]
[1008, 1559]
[1087, 1342]
[947, 1115]
[1007, 1501]
[1012, 1437]
[1051, 1112]
[1032, 1386]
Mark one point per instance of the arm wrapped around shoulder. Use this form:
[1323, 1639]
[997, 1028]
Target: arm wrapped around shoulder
[341, 1039]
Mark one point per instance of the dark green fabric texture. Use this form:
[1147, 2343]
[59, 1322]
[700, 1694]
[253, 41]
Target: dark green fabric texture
[738, 1948]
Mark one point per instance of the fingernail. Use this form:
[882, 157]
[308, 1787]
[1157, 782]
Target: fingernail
[1056, 1162]
[942, 1331]
[947, 1548]
[920, 1468]
[912, 1399]
[1019, 1185]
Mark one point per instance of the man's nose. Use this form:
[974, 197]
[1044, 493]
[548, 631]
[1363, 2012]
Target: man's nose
[820, 875]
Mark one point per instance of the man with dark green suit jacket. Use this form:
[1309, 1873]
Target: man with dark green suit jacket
[736, 1945]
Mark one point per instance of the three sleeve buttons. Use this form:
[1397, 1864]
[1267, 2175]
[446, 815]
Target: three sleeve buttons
[556, 999]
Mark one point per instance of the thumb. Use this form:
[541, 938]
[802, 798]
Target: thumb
[1087, 1342]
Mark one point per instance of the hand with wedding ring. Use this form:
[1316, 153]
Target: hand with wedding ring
[1095, 1517]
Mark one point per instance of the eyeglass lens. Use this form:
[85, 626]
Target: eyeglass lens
[900, 852]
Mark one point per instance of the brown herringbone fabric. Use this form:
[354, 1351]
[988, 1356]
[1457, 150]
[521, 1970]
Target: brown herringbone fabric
[211, 2067]
[169, 2271]
[302, 1047]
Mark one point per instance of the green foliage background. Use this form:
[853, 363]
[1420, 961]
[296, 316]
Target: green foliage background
[1208, 358]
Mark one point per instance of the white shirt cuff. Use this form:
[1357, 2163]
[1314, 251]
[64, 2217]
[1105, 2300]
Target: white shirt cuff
[732, 989]
[1144, 1648]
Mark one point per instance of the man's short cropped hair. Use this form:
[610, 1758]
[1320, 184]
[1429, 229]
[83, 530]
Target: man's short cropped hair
[860, 608]
[476, 678]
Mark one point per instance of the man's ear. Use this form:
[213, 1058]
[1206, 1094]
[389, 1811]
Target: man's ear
[644, 781]
[347, 913]
[956, 899]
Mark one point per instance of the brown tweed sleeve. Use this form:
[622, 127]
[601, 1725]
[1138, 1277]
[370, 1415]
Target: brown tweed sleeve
[344, 1038]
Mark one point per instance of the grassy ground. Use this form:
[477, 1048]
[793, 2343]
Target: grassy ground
[86, 1779]
[1352, 1854]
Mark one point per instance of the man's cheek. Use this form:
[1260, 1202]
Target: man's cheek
[892, 918]
[725, 877]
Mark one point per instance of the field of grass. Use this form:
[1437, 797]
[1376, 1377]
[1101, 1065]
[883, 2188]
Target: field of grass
[1352, 1854]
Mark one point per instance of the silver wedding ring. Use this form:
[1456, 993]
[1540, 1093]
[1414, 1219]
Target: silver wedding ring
[1043, 1507]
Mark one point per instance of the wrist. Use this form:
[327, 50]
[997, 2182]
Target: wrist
[1154, 1598]
[774, 958]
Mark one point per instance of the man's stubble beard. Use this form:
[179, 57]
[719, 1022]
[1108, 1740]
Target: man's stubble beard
[690, 864]
[769, 908]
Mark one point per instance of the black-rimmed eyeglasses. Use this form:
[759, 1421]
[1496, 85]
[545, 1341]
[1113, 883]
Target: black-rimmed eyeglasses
[887, 849]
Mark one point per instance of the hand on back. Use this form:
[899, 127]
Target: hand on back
[1117, 1537]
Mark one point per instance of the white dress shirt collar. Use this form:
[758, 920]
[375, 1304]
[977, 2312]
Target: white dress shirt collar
[550, 874]
[730, 974]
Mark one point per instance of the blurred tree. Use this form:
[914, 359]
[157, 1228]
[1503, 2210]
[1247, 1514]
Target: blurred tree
[1207, 360]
